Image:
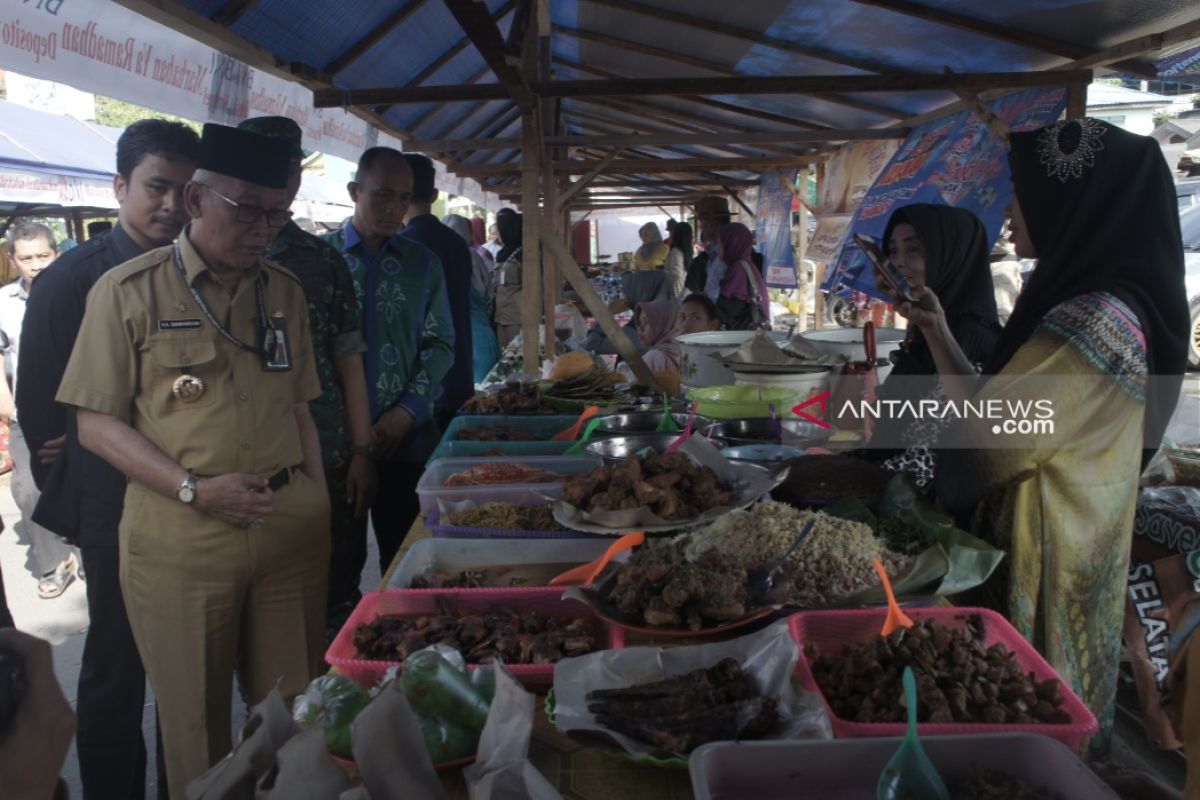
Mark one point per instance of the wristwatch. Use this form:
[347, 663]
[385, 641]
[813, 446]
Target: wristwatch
[186, 493]
[367, 450]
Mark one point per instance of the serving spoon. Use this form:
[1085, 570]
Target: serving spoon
[909, 773]
[760, 581]
[586, 573]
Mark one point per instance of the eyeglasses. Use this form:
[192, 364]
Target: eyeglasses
[248, 215]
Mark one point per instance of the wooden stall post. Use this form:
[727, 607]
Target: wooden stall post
[801, 270]
[604, 317]
[1077, 100]
[531, 254]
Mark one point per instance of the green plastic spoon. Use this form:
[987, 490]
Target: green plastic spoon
[910, 775]
[667, 424]
[577, 448]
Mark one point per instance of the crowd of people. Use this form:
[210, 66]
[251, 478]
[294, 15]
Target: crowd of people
[212, 401]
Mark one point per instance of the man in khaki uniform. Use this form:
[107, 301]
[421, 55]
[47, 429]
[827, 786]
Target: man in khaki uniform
[192, 374]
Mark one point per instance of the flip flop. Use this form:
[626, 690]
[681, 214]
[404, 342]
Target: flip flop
[55, 582]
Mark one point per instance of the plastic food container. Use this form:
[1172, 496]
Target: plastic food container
[431, 490]
[456, 556]
[465, 449]
[448, 531]
[847, 769]
[541, 428]
[831, 631]
[421, 602]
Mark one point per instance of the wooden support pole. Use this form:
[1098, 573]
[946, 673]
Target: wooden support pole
[819, 269]
[801, 270]
[603, 316]
[996, 125]
[578, 186]
[1077, 100]
[531, 259]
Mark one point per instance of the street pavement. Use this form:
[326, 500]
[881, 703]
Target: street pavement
[63, 622]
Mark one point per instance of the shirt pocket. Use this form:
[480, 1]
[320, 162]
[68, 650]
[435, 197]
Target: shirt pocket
[173, 359]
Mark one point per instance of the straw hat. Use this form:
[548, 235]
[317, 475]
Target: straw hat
[713, 206]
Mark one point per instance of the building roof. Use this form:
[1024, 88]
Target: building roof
[1108, 95]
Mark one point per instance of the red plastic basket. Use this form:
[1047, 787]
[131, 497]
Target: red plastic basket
[831, 631]
[419, 602]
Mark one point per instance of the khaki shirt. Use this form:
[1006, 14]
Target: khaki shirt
[142, 331]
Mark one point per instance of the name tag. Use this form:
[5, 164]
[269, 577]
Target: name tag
[178, 324]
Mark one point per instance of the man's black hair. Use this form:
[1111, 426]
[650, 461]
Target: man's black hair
[371, 157]
[423, 190]
[173, 141]
[24, 231]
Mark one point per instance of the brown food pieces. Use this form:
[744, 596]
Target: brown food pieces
[506, 516]
[514, 398]
[958, 679]
[529, 638]
[990, 784]
[718, 703]
[670, 485]
[498, 433]
[665, 589]
[500, 473]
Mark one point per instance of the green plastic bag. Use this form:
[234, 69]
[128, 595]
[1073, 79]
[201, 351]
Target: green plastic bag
[332, 701]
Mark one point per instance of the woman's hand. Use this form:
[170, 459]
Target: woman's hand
[924, 310]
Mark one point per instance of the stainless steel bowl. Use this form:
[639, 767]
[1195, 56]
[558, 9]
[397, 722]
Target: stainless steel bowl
[760, 430]
[765, 455]
[636, 422]
[619, 448]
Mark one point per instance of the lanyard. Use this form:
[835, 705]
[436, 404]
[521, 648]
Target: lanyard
[204, 309]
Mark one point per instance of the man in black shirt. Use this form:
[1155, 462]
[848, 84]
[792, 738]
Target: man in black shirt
[423, 227]
[82, 496]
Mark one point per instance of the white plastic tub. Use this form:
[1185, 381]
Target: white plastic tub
[456, 555]
[699, 370]
[431, 490]
[848, 769]
[803, 384]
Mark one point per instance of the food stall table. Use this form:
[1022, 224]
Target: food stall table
[577, 771]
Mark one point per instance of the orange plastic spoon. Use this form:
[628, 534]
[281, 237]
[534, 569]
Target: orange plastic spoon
[585, 574]
[572, 433]
[895, 617]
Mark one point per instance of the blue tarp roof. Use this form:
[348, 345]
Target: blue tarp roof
[838, 37]
[55, 144]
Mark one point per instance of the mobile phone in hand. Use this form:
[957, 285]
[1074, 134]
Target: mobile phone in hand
[890, 274]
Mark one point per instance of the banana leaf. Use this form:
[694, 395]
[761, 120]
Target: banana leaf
[952, 561]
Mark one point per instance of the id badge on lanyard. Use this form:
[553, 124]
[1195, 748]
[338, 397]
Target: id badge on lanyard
[274, 348]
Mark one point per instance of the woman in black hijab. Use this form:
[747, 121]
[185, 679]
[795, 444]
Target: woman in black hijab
[507, 314]
[945, 249]
[1097, 340]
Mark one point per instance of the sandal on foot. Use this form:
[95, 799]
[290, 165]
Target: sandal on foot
[55, 582]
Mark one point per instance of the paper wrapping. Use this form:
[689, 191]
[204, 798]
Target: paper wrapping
[305, 770]
[761, 350]
[502, 770]
[747, 484]
[769, 656]
[267, 729]
[390, 750]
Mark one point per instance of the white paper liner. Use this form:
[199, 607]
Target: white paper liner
[747, 484]
[764, 352]
[769, 656]
[503, 769]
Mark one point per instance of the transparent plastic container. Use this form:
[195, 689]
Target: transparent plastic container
[431, 490]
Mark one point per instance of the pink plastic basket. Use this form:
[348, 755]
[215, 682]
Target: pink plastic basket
[419, 602]
[831, 631]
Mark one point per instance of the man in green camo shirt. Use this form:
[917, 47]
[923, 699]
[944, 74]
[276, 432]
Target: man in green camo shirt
[342, 412]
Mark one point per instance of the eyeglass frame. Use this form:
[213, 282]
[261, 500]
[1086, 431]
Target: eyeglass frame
[259, 213]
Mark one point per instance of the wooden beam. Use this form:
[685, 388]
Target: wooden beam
[377, 35]
[477, 22]
[531, 259]
[233, 11]
[754, 37]
[429, 112]
[638, 87]
[650, 165]
[589, 176]
[603, 316]
[633, 132]
[1077, 100]
[997, 126]
[738, 199]
[1003, 32]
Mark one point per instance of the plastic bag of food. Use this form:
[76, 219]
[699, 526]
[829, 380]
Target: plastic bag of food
[434, 688]
[446, 741]
[332, 701]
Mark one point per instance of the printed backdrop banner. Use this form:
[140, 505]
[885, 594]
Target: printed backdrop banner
[774, 228]
[41, 188]
[954, 160]
[102, 47]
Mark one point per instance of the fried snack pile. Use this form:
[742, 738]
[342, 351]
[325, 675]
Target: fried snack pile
[719, 703]
[506, 516]
[664, 588]
[493, 433]
[501, 473]
[958, 679]
[529, 638]
[989, 784]
[671, 486]
[514, 398]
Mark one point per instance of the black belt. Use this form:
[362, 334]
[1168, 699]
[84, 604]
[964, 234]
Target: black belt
[280, 479]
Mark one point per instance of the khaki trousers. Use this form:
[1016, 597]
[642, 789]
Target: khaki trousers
[207, 600]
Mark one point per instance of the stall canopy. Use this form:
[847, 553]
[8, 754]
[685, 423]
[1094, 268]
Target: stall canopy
[723, 90]
[49, 162]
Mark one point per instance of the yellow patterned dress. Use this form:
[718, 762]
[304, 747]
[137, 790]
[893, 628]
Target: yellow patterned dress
[1062, 503]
